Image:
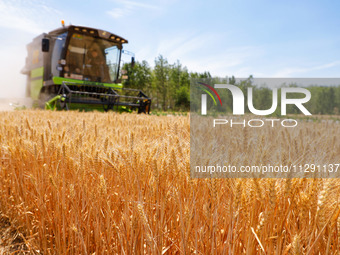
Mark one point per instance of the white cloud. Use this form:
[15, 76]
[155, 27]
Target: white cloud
[198, 53]
[30, 16]
[182, 45]
[233, 61]
[128, 7]
[291, 71]
[117, 13]
[131, 4]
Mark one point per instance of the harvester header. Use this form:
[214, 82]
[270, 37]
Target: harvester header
[76, 67]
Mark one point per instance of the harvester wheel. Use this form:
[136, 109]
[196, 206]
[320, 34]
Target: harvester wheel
[144, 107]
[107, 107]
[108, 102]
[141, 109]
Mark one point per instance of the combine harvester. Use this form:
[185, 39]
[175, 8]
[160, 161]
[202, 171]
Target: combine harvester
[77, 67]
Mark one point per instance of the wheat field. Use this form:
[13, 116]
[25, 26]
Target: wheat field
[109, 183]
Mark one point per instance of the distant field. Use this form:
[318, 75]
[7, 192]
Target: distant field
[108, 183]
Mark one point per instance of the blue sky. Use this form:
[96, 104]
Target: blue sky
[262, 38]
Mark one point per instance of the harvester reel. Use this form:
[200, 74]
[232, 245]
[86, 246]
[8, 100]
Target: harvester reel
[71, 94]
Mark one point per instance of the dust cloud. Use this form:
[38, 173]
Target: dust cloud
[12, 81]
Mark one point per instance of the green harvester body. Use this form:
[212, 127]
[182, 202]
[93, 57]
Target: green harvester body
[75, 67]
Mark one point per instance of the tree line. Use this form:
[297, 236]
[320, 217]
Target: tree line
[167, 84]
[169, 87]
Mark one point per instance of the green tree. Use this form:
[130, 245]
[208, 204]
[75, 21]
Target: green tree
[139, 76]
[161, 77]
[174, 82]
[179, 87]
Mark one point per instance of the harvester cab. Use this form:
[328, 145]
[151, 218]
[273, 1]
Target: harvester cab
[77, 67]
